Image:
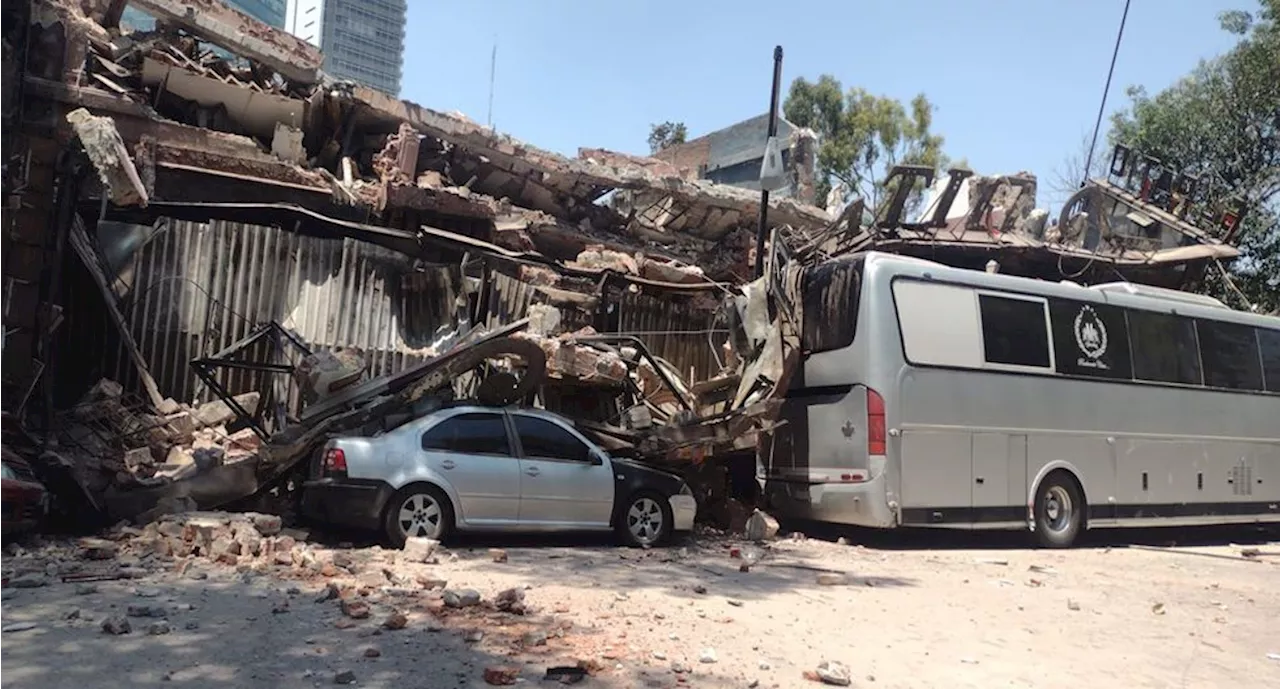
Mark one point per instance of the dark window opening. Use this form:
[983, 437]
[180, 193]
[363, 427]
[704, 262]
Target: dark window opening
[542, 438]
[474, 434]
[1230, 355]
[1090, 339]
[1013, 331]
[1164, 348]
[1269, 341]
[832, 292]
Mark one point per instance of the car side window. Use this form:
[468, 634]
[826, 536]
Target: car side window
[542, 438]
[472, 434]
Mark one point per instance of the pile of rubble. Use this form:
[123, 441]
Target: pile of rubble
[109, 443]
[256, 540]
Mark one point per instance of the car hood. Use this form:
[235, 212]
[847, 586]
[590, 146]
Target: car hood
[641, 466]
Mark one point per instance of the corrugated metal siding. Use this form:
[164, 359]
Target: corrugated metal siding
[669, 327]
[673, 331]
[199, 288]
[509, 300]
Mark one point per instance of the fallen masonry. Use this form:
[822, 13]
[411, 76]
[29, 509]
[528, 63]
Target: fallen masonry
[222, 258]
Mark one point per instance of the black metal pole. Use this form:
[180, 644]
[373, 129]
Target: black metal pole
[1102, 107]
[773, 131]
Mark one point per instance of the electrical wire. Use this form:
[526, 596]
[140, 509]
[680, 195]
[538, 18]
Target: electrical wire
[135, 297]
[1097, 126]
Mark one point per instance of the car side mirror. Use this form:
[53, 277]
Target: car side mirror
[597, 459]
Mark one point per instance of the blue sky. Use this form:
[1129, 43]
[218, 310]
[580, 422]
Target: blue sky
[1016, 83]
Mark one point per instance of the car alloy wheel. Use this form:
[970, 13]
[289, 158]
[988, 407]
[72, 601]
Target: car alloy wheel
[421, 516]
[645, 520]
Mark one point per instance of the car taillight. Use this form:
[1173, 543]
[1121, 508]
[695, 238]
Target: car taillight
[335, 461]
[875, 423]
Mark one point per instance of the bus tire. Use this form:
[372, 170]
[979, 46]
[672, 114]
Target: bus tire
[1059, 511]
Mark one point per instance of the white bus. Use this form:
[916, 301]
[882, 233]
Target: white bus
[943, 397]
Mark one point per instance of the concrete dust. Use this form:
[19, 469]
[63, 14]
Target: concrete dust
[680, 616]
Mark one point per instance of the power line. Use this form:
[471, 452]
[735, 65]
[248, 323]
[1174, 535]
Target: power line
[1088, 161]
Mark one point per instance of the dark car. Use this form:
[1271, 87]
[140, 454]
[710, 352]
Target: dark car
[24, 499]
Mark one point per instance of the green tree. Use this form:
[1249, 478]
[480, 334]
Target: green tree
[862, 135]
[666, 135]
[1222, 122]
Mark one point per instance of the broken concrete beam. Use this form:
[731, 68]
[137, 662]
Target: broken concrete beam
[398, 159]
[138, 458]
[579, 362]
[241, 34]
[670, 271]
[286, 144]
[323, 373]
[243, 443]
[599, 258]
[107, 152]
[219, 412]
[542, 180]
[544, 320]
[455, 201]
[538, 276]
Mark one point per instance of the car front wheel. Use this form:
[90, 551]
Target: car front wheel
[418, 512]
[645, 520]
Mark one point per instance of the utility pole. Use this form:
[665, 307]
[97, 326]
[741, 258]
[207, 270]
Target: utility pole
[762, 230]
[493, 69]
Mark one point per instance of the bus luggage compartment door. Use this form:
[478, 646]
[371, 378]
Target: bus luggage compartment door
[999, 477]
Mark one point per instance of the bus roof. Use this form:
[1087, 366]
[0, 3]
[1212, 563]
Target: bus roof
[1129, 295]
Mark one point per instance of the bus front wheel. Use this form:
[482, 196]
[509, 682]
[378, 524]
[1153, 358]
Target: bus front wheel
[1059, 511]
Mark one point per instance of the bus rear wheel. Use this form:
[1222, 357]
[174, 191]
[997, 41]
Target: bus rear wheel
[1059, 510]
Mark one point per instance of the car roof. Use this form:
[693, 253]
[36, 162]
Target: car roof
[467, 408]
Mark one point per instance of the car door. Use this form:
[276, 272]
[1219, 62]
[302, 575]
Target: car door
[472, 452]
[561, 486]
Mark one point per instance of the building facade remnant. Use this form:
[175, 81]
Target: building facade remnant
[733, 155]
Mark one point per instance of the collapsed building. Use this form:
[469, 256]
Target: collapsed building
[216, 257]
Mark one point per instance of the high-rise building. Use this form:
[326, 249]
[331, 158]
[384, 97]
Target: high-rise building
[362, 40]
[266, 11]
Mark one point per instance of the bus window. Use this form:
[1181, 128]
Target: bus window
[1090, 339]
[1269, 340]
[938, 324]
[1230, 355]
[831, 295]
[1164, 348]
[1014, 332]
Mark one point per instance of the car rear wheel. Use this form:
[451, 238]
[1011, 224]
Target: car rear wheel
[418, 512]
[645, 520]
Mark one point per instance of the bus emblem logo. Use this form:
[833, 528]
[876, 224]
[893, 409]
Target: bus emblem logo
[1091, 338]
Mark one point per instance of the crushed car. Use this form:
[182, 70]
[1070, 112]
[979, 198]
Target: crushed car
[477, 468]
[25, 500]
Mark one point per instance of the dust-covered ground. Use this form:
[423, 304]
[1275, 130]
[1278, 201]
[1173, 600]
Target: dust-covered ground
[942, 611]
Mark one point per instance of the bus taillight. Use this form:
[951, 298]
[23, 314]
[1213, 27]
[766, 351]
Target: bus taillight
[875, 423]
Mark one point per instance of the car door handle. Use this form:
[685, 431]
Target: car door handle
[447, 464]
[532, 471]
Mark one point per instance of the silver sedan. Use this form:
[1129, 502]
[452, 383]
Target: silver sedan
[473, 468]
